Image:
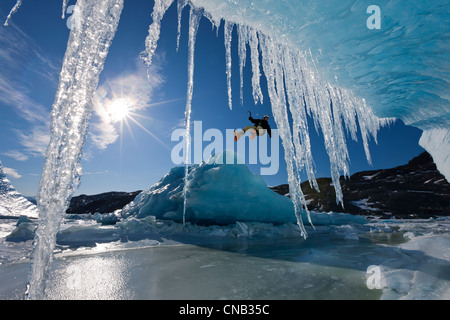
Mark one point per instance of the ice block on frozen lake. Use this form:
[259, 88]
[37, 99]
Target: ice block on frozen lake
[217, 193]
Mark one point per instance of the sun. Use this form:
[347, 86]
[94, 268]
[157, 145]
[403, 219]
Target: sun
[119, 109]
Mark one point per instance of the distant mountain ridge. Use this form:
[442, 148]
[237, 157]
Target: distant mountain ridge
[414, 190]
[102, 203]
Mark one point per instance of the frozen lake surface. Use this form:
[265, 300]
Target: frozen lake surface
[242, 261]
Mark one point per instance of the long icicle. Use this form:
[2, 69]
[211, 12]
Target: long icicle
[194, 19]
[273, 72]
[159, 9]
[256, 74]
[83, 62]
[228, 29]
[242, 45]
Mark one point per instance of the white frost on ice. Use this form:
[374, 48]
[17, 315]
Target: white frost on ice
[154, 30]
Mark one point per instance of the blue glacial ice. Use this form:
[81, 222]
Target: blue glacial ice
[221, 192]
[216, 194]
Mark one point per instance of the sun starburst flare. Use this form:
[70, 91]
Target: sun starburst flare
[124, 110]
[119, 109]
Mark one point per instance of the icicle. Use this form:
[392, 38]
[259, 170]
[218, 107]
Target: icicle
[340, 141]
[83, 62]
[159, 9]
[194, 19]
[228, 29]
[256, 74]
[242, 45]
[348, 112]
[275, 88]
[319, 103]
[13, 10]
[180, 6]
[368, 124]
[64, 7]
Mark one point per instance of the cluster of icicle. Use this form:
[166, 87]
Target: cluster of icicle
[293, 86]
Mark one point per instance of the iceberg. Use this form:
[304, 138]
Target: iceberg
[216, 193]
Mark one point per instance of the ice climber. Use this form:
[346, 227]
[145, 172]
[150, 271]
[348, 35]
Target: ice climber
[258, 129]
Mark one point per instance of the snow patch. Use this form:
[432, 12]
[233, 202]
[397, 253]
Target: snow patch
[371, 177]
[364, 204]
[12, 203]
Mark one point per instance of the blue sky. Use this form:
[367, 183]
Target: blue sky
[31, 53]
